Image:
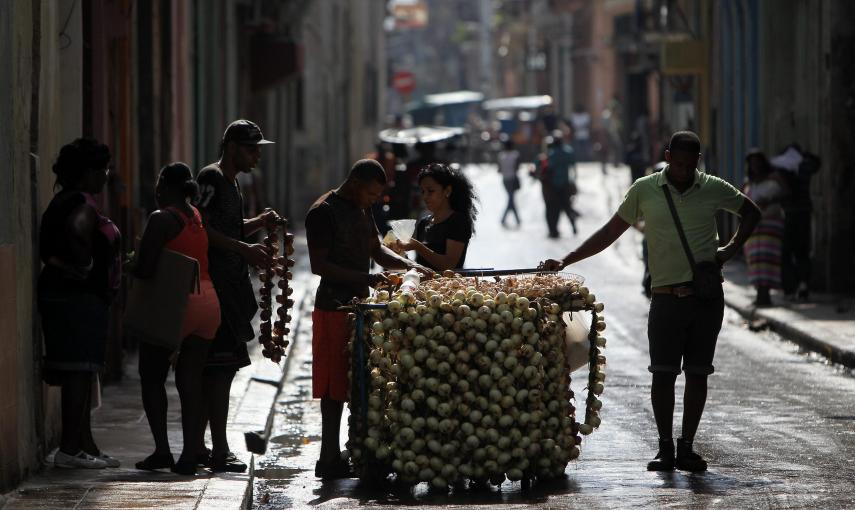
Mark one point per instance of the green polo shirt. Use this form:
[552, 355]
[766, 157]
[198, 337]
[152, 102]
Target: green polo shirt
[696, 208]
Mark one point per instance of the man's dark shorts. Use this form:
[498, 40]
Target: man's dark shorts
[683, 329]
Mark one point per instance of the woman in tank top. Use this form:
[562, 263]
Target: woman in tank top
[177, 226]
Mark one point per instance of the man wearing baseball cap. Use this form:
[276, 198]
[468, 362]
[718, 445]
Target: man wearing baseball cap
[230, 253]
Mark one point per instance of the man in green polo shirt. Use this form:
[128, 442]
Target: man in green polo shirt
[682, 328]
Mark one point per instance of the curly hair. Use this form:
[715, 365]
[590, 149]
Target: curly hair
[78, 157]
[462, 198]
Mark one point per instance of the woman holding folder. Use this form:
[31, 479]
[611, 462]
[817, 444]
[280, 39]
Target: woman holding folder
[177, 226]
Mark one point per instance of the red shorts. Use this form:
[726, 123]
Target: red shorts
[330, 357]
[202, 317]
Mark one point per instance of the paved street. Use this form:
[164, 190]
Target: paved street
[779, 429]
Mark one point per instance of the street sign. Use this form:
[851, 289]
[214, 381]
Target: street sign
[404, 82]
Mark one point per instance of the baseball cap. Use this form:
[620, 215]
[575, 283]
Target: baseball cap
[244, 132]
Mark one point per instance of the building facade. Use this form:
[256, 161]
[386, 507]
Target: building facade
[743, 74]
[158, 81]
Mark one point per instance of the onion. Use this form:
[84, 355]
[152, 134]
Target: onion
[469, 381]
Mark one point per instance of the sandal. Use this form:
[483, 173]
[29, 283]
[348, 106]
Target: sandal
[203, 458]
[156, 461]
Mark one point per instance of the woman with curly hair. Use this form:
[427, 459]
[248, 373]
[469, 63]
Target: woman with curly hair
[80, 249]
[442, 237]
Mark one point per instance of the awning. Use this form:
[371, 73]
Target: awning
[459, 97]
[518, 103]
[419, 134]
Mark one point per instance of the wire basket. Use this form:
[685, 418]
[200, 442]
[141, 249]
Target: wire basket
[528, 284]
[563, 275]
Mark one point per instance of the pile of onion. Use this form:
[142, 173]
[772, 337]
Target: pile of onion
[466, 380]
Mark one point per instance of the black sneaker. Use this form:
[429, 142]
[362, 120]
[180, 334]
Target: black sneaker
[227, 463]
[687, 460]
[664, 460]
[184, 467]
[333, 470]
[156, 461]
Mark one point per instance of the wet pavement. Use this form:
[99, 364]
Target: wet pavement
[778, 431]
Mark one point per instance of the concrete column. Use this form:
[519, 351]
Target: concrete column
[18, 442]
[839, 160]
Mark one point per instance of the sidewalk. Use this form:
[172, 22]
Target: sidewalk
[825, 324]
[121, 430]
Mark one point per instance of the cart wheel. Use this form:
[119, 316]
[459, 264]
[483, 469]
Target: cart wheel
[375, 472]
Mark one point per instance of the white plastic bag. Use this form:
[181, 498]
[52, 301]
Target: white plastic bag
[403, 229]
[576, 343]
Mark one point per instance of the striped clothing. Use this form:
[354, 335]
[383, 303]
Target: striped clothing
[763, 253]
[763, 248]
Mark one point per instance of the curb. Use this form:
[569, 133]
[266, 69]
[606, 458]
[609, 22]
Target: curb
[806, 339]
[259, 386]
[262, 393]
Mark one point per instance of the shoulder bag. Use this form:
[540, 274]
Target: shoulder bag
[706, 275]
[155, 306]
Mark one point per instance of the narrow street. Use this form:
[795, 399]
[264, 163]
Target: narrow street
[778, 430]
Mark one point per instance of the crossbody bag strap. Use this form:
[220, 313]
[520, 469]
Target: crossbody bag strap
[679, 226]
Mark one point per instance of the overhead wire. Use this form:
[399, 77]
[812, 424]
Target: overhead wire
[63, 36]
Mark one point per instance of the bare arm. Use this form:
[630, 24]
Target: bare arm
[321, 266]
[453, 251]
[253, 225]
[80, 226]
[255, 254]
[599, 241]
[749, 215]
[391, 260]
[159, 230]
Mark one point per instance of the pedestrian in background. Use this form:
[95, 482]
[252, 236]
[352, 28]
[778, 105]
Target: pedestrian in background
[80, 249]
[557, 186]
[634, 157]
[177, 226]
[442, 237]
[763, 249]
[610, 136]
[343, 240]
[580, 121]
[230, 255]
[509, 162]
[685, 315]
[637, 151]
[798, 168]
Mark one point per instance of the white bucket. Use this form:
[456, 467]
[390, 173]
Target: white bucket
[576, 344]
